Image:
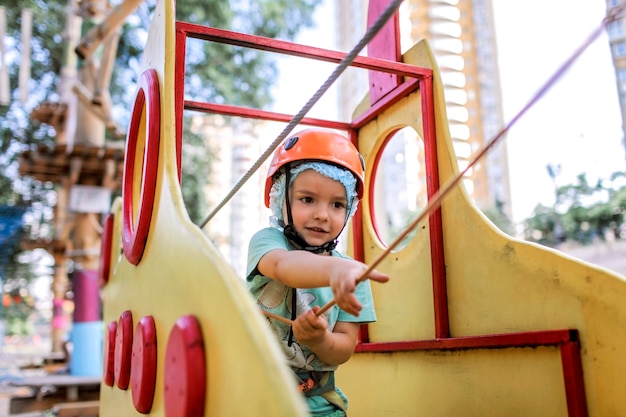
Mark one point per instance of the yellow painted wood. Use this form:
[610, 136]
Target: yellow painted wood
[181, 273]
[496, 284]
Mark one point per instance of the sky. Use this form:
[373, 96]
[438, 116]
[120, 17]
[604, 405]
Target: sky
[577, 122]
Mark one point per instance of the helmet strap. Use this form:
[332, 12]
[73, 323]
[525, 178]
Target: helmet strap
[290, 232]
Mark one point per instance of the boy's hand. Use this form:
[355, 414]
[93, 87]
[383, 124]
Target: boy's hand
[309, 328]
[343, 282]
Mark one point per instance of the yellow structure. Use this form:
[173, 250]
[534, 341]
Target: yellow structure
[473, 323]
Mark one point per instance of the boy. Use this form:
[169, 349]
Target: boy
[312, 188]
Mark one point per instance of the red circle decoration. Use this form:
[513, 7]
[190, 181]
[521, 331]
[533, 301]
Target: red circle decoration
[104, 268]
[109, 354]
[185, 372]
[143, 365]
[134, 235]
[123, 349]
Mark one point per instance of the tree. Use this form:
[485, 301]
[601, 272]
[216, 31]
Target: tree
[585, 212]
[216, 72]
[237, 76]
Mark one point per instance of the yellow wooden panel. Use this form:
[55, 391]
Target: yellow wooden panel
[495, 284]
[181, 273]
[512, 382]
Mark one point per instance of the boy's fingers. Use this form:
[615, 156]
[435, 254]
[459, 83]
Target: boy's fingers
[351, 305]
[313, 320]
[379, 277]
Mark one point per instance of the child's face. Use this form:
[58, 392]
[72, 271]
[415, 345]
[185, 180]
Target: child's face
[318, 207]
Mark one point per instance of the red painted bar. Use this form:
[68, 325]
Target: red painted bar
[252, 113]
[179, 96]
[298, 50]
[437, 258]
[493, 341]
[574, 380]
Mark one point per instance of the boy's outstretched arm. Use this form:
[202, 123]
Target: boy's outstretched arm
[302, 269]
[333, 348]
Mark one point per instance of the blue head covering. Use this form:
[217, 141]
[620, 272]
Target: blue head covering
[345, 177]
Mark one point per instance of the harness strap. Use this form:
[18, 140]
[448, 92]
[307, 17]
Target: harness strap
[320, 383]
[294, 295]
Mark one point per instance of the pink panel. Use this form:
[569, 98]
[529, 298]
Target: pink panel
[385, 45]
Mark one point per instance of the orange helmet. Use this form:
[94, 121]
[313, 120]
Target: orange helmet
[317, 145]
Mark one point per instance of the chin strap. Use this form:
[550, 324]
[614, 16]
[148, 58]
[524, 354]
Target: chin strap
[299, 243]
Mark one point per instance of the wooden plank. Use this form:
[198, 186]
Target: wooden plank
[77, 409]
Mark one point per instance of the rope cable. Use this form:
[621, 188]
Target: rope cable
[345, 62]
[435, 201]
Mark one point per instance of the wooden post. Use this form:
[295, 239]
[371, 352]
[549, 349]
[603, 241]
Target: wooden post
[27, 20]
[90, 42]
[4, 74]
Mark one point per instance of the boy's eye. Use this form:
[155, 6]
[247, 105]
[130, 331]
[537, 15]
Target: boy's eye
[306, 199]
[339, 205]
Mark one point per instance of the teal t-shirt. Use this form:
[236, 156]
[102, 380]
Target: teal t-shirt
[276, 298]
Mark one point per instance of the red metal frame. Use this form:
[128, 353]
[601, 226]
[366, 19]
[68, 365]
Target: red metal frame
[415, 78]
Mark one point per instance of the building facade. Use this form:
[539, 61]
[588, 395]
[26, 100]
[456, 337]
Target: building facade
[616, 31]
[462, 37]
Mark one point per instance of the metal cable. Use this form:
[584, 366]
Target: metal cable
[436, 200]
[345, 62]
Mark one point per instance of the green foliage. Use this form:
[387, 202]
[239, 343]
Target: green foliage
[17, 311]
[197, 155]
[17, 131]
[47, 54]
[223, 73]
[585, 212]
[17, 302]
[240, 76]
[216, 72]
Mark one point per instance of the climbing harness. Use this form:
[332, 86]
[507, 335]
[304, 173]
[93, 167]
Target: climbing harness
[320, 383]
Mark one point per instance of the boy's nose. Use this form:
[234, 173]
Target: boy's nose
[321, 213]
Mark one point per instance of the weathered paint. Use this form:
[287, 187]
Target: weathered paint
[502, 329]
[181, 274]
[495, 286]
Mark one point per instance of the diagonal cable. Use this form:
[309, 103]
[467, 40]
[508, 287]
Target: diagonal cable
[345, 62]
[436, 200]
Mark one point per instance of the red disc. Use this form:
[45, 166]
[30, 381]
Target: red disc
[105, 251]
[185, 373]
[123, 349]
[109, 354]
[143, 365]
